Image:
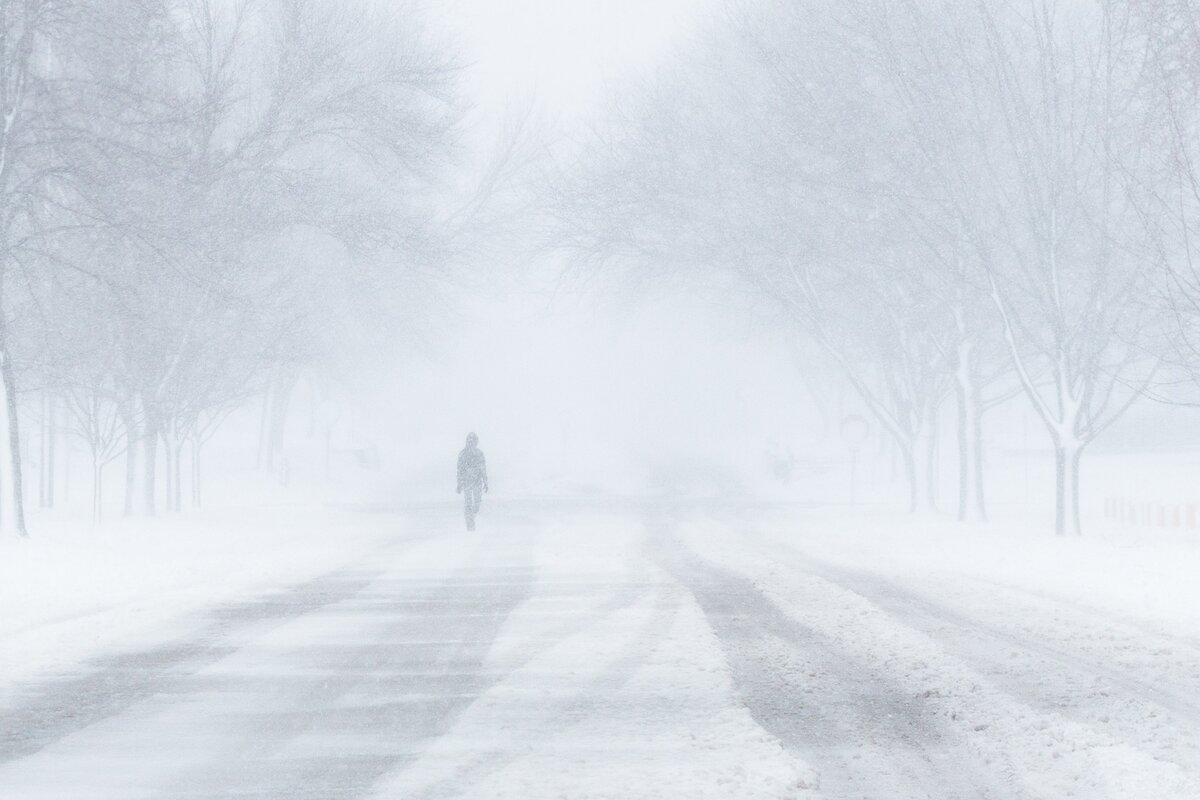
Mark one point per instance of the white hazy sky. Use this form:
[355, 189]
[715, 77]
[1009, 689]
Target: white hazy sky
[566, 53]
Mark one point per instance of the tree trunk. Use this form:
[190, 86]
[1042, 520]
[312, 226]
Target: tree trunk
[131, 442]
[195, 473]
[97, 488]
[966, 456]
[281, 398]
[9, 379]
[910, 472]
[51, 450]
[977, 451]
[970, 437]
[43, 446]
[149, 463]
[178, 470]
[67, 477]
[264, 428]
[914, 457]
[169, 470]
[1073, 491]
[1066, 496]
[931, 460]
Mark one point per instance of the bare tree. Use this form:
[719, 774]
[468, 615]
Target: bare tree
[1171, 196]
[209, 182]
[761, 160]
[1061, 132]
[247, 127]
[945, 196]
[97, 422]
[28, 132]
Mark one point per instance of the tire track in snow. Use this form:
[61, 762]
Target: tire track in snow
[588, 700]
[1087, 625]
[864, 734]
[1144, 713]
[58, 708]
[1152, 715]
[370, 708]
[480, 766]
[469, 678]
[49, 710]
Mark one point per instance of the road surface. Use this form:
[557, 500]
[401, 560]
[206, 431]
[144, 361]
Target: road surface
[620, 652]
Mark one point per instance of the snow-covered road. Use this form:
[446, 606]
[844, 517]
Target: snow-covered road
[621, 653]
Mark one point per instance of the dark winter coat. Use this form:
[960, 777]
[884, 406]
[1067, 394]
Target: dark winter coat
[472, 469]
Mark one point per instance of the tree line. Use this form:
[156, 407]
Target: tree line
[199, 198]
[954, 202]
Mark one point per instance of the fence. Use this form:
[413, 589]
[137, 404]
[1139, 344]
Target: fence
[1152, 514]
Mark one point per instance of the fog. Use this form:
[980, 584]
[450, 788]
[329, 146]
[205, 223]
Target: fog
[575, 395]
[661, 399]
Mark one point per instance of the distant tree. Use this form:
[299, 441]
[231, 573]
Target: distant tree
[1056, 105]
[96, 418]
[30, 129]
[1171, 197]
[944, 197]
[761, 160]
[249, 127]
[208, 184]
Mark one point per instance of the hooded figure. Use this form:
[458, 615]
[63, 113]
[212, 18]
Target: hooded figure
[472, 478]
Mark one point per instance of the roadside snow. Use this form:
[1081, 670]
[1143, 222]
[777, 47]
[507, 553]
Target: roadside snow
[73, 591]
[1150, 578]
[1058, 667]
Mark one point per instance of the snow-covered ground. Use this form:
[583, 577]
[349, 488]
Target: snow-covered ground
[618, 651]
[75, 590]
[1015, 663]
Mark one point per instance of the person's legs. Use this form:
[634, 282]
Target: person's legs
[470, 505]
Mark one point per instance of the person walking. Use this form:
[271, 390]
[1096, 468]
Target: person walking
[472, 478]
